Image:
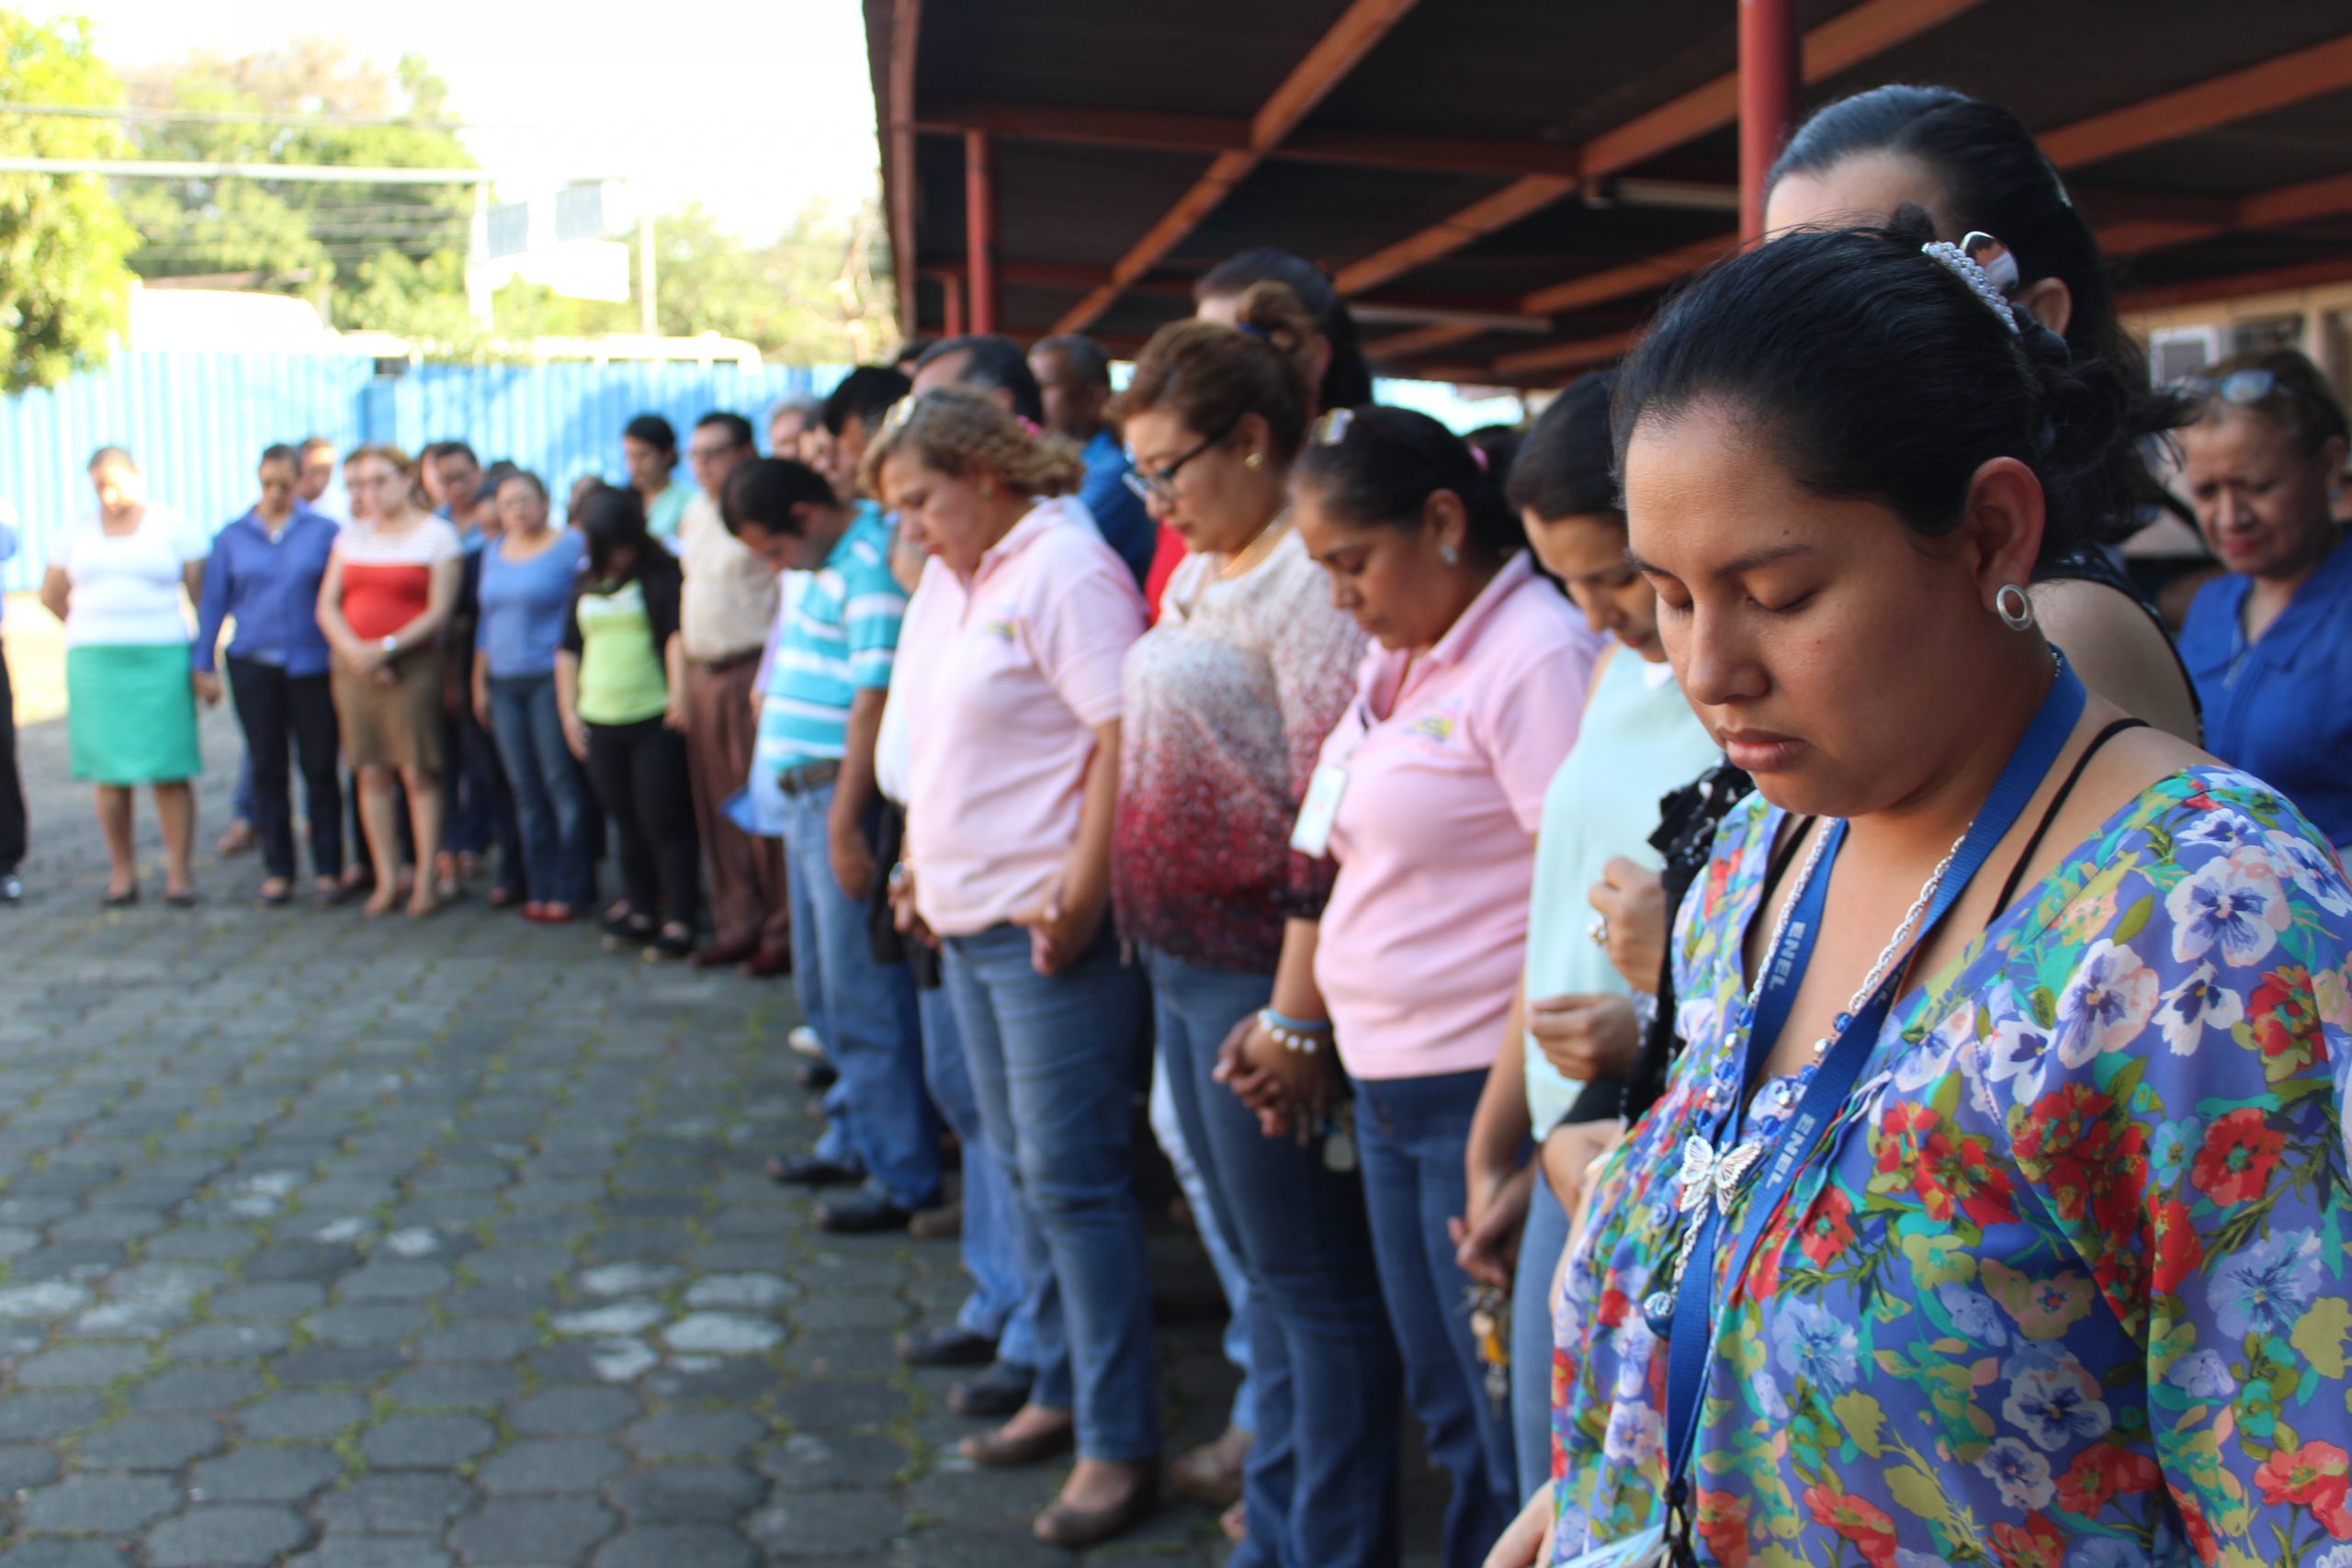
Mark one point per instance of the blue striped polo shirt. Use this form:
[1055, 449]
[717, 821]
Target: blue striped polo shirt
[840, 630]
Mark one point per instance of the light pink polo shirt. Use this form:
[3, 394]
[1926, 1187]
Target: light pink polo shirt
[1420, 943]
[1020, 662]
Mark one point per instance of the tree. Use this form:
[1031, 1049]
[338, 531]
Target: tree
[332, 241]
[63, 287]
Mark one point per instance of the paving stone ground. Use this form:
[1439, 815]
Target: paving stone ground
[332, 1244]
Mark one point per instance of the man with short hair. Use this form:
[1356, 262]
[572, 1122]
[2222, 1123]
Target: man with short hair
[315, 467]
[984, 362]
[725, 609]
[649, 449]
[1074, 379]
[820, 712]
[789, 419]
[854, 411]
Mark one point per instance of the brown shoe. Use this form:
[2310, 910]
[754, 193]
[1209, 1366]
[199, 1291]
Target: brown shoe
[1072, 1528]
[942, 1222]
[719, 954]
[766, 964]
[994, 1451]
[237, 841]
[1212, 1473]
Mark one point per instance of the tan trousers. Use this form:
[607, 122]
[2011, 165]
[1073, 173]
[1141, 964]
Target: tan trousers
[748, 905]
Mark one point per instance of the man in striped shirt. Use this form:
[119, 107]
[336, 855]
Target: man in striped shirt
[827, 676]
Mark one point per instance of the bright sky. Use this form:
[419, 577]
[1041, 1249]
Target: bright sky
[752, 110]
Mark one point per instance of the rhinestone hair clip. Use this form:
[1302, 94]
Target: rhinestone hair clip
[1976, 261]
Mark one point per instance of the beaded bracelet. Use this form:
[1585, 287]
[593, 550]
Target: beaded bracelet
[1294, 1033]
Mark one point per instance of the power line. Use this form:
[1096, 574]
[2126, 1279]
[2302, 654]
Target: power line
[262, 116]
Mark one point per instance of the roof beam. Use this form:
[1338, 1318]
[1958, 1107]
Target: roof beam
[1594, 288]
[1836, 46]
[1361, 26]
[2328, 198]
[2202, 106]
[1568, 355]
[2271, 280]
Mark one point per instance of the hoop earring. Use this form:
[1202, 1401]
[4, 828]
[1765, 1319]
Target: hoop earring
[2015, 607]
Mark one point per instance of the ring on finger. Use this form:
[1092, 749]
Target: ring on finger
[1598, 930]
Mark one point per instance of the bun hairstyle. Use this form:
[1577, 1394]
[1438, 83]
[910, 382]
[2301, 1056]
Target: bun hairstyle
[1380, 465]
[1993, 176]
[957, 431]
[1209, 375]
[1880, 373]
[1567, 467]
[1347, 379]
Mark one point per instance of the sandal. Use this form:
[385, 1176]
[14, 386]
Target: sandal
[673, 942]
[275, 894]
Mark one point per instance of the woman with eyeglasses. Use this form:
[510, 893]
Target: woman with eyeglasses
[1228, 699]
[1426, 795]
[2270, 643]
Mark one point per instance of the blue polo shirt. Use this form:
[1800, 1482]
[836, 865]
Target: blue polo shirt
[2280, 707]
[271, 588]
[1126, 526]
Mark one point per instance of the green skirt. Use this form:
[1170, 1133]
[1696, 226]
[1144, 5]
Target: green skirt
[130, 714]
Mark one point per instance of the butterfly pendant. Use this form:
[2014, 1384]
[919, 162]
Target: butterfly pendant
[1707, 1175]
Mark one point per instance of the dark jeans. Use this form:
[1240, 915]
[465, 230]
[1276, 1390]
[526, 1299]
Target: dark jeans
[551, 796]
[640, 771]
[12, 786]
[286, 715]
[1321, 1484]
[1057, 1062]
[480, 803]
[1410, 1135]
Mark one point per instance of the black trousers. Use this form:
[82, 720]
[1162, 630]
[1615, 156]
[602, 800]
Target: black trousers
[283, 716]
[12, 786]
[639, 772]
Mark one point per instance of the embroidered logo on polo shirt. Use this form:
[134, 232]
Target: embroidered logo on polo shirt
[1437, 727]
[1005, 628]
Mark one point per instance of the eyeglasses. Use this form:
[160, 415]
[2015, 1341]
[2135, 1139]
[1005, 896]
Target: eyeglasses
[1161, 486]
[2243, 388]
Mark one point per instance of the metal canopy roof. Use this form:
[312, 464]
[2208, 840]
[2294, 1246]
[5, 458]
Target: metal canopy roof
[1502, 188]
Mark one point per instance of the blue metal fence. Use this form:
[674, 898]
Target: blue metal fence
[197, 421]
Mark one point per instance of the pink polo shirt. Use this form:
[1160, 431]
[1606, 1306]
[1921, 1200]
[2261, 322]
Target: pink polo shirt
[1020, 662]
[1420, 943]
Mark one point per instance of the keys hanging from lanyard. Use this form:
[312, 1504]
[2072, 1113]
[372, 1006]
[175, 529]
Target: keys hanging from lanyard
[1489, 1310]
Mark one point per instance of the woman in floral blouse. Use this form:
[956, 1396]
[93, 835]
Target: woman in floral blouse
[2060, 1278]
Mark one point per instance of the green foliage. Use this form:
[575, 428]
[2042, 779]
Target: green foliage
[334, 243]
[63, 285]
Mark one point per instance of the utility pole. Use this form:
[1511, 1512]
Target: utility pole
[647, 318]
[478, 292]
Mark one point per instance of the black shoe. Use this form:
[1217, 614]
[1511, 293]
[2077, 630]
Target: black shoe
[811, 1170]
[817, 1077]
[998, 1389]
[955, 1345]
[864, 1212]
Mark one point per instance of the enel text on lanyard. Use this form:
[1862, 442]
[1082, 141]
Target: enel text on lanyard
[1691, 1344]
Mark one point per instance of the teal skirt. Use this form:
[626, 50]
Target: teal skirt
[130, 714]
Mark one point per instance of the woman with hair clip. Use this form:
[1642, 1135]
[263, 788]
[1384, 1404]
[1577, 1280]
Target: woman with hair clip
[1425, 794]
[1024, 617]
[1573, 1023]
[1984, 1211]
[1228, 699]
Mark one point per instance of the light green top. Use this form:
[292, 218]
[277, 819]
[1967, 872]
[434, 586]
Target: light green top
[661, 517]
[1639, 742]
[621, 678]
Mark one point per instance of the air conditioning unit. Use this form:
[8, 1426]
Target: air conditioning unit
[2175, 354]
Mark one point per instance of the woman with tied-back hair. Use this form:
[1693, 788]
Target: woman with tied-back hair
[1986, 1210]
[1228, 699]
[1024, 617]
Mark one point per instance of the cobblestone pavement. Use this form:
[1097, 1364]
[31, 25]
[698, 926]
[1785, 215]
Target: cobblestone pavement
[391, 1244]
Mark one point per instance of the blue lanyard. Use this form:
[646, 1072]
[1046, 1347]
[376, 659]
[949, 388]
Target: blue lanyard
[1691, 1344]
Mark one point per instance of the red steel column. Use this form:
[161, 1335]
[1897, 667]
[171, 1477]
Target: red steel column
[1770, 72]
[979, 230]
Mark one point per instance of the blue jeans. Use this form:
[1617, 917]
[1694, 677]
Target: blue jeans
[1531, 1335]
[1411, 1133]
[1232, 1276]
[873, 1035]
[1001, 1305]
[551, 792]
[1321, 1484]
[1056, 1063]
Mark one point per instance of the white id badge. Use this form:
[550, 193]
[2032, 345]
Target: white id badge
[1312, 836]
[1647, 1550]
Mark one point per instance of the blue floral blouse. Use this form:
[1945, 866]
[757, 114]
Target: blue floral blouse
[2070, 1284]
